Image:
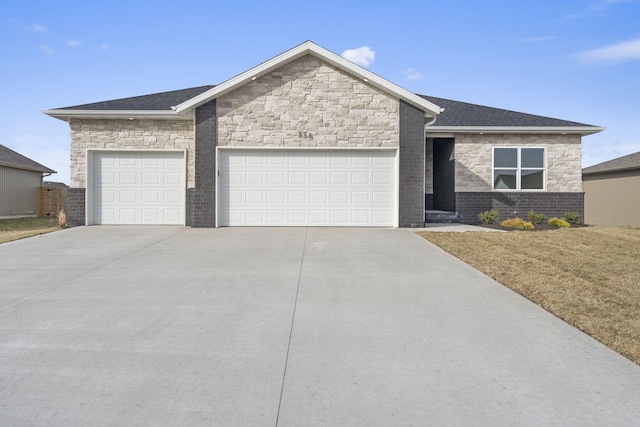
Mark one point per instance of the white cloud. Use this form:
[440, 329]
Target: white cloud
[47, 49]
[615, 53]
[363, 56]
[413, 74]
[104, 46]
[37, 28]
[73, 43]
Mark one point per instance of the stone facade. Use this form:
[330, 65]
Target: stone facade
[474, 156]
[128, 135]
[308, 103]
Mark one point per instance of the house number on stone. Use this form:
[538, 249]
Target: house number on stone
[306, 135]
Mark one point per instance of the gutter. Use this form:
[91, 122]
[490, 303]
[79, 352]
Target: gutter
[568, 130]
[67, 115]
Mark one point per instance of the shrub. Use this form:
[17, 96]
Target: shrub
[559, 223]
[488, 217]
[572, 217]
[517, 224]
[536, 218]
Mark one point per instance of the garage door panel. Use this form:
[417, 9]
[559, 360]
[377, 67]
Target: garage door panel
[275, 178]
[381, 197]
[150, 197]
[150, 178]
[297, 197]
[127, 178]
[254, 196]
[141, 187]
[320, 217]
[381, 178]
[360, 178]
[297, 217]
[275, 197]
[172, 178]
[307, 187]
[297, 178]
[339, 178]
[360, 217]
[127, 196]
[150, 216]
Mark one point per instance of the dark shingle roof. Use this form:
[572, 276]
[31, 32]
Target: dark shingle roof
[458, 113]
[156, 101]
[10, 158]
[631, 161]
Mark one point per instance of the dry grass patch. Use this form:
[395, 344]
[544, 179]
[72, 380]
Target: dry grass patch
[19, 228]
[589, 277]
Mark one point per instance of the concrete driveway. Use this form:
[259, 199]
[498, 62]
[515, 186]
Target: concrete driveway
[288, 327]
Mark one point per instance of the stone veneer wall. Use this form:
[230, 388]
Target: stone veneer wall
[122, 135]
[474, 157]
[308, 103]
[128, 135]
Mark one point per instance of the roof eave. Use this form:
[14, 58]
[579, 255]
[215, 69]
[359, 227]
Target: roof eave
[603, 171]
[564, 130]
[44, 169]
[67, 115]
[429, 109]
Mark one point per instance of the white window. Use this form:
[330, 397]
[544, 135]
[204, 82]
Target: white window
[518, 168]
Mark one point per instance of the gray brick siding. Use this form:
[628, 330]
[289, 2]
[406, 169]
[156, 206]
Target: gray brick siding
[76, 206]
[469, 204]
[201, 199]
[411, 164]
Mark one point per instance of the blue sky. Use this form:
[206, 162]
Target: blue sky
[577, 60]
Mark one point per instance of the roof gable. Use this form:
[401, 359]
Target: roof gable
[631, 161]
[310, 48]
[11, 159]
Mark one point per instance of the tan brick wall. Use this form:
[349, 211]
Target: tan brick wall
[473, 153]
[128, 135]
[308, 103]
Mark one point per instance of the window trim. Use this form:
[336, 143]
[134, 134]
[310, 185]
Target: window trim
[519, 169]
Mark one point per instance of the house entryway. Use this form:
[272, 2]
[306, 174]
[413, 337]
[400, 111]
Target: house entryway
[444, 206]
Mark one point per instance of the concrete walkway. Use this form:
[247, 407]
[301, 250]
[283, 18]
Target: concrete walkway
[288, 327]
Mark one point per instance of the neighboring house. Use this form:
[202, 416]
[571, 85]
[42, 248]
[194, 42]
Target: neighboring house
[612, 192]
[310, 138]
[20, 179]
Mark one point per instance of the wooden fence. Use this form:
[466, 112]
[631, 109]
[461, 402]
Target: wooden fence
[51, 200]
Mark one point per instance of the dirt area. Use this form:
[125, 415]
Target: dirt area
[588, 276]
[19, 228]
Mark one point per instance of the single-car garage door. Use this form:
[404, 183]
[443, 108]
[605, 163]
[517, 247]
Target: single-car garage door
[137, 187]
[276, 187]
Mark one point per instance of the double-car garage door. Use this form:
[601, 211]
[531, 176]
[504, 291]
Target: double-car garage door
[273, 187]
[256, 187]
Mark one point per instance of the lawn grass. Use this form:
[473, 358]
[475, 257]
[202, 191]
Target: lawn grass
[19, 228]
[589, 277]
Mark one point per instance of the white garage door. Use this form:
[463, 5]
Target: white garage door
[138, 187]
[307, 187]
